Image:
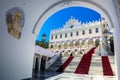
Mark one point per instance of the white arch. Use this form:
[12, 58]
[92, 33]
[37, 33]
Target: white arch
[82, 3]
[111, 18]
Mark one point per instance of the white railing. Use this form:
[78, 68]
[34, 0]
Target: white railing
[88, 49]
[103, 51]
[47, 53]
[51, 61]
[98, 50]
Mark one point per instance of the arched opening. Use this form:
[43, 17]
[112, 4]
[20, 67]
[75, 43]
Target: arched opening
[77, 43]
[79, 53]
[90, 43]
[36, 64]
[55, 47]
[82, 43]
[66, 54]
[72, 53]
[65, 45]
[97, 42]
[43, 62]
[51, 47]
[60, 46]
[71, 44]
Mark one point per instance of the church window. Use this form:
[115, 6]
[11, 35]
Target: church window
[77, 33]
[71, 34]
[56, 37]
[96, 30]
[90, 31]
[65, 35]
[71, 26]
[60, 35]
[83, 32]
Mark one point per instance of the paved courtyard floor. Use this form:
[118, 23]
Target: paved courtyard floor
[68, 76]
[95, 70]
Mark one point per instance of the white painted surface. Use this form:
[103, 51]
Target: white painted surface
[16, 56]
[45, 52]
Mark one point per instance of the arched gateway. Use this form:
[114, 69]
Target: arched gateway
[95, 5]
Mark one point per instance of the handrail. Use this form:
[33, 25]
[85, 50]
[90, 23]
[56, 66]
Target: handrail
[51, 61]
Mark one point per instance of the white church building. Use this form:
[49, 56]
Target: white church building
[17, 55]
[75, 37]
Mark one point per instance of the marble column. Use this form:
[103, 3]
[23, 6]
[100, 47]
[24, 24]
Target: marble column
[74, 44]
[86, 43]
[63, 46]
[40, 56]
[94, 42]
[117, 50]
[34, 60]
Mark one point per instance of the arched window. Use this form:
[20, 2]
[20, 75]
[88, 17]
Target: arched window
[60, 35]
[90, 31]
[83, 32]
[71, 34]
[71, 26]
[51, 46]
[77, 33]
[96, 30]
[56, 37]
[65, 35]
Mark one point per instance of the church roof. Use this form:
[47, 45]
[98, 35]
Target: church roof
[73, 23]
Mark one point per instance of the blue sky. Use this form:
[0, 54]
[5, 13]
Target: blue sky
[58, 19]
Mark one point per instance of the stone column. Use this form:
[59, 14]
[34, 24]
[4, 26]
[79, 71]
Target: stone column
[117, 50]
[86, 43]
[49, 46]
[34, 60]
[40, 56]
[53, 46]
[63, 45]
[74, 44]
[68, 45]
[57, 46]
[94, 42]
[80, 43]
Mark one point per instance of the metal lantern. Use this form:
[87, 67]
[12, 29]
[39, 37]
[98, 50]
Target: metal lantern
[44, 37]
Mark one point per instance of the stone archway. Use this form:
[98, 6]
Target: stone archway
[36, 64]
[65, 45]
[79, 53]
[71, 44]
[77, 44]
[97, 42]
[55, 46]
[60, 46]
[51, 46]
[72, 53]
[90, 42]
[83, 43]
[95, 5]
[82, 3]
[66, 54]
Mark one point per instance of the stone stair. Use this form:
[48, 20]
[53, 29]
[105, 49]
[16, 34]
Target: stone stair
[95, 66]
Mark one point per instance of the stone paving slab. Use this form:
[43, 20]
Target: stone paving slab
[95, 66]
[70, 76]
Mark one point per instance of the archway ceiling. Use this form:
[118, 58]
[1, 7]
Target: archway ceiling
[70, 3]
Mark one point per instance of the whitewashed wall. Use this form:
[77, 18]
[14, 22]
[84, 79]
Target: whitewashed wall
[16, 56]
